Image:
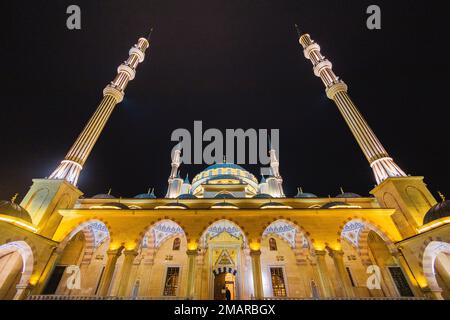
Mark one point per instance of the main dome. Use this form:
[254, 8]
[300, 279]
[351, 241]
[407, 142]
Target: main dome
[224, 174]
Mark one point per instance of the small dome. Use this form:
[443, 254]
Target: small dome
[224, 196]
[348, 195]
[103, 196]
[224, 205]
[330, 205]
[439, 210]
[274, 205]
[147, 195]
[11, 209]
[115, 205]
[262, 196]
[301, 194]
[186, 196]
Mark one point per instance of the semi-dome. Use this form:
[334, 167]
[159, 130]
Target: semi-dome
[438, 211]
[103, 196]
[186, 196]
[12, 209]
[348, 195]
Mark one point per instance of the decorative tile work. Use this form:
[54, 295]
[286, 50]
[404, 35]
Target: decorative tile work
[352, 231]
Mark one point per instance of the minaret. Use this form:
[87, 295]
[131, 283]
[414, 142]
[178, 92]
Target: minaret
[382, 164]
[71, 166]
[175, 182]
[408, 195]
[47, 196]
[275, 182]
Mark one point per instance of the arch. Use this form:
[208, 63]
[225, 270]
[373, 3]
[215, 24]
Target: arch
[413, 194]
[220, 270]
[218, 227]
[26, 253]
[432, 250]
[156, 234]
[295, 236]
[91, 230]
[356, 232]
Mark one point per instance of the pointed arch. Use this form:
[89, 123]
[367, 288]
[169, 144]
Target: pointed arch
[220, 226]
[356, 232]
[293, 235]
[432, 250]
[26, 254]
[95, 232]
[156, 234]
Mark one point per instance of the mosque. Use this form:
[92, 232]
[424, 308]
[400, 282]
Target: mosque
[226, 233]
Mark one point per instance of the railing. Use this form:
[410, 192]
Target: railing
[65, 297]
[345, 298]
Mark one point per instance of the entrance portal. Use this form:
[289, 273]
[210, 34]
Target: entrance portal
[222, 283]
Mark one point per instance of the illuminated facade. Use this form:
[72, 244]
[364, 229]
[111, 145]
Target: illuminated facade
[226, 232]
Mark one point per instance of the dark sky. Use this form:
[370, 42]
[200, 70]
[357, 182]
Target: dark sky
[231, 64]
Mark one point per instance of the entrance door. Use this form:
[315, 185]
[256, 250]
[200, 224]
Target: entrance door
[222, 283]
[54, 280]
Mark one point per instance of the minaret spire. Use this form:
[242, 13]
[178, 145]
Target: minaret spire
[71, 166]
[382, 164]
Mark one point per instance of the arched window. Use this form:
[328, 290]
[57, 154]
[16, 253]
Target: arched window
[273, 244]
[176, 244]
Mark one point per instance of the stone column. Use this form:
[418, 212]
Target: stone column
[192, 255]
[23, 291]
[343, 276]
[323, 273]
[257, 275]
[48, 271]
[105, 281]
[129, 256]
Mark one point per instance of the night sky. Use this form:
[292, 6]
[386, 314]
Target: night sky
[231, 64]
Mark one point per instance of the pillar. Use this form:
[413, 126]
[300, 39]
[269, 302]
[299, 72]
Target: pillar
[257, 275]
[323, 273]
[47, 272]
[23, 291]
[129, 256]
[343, 276]
[192, 255]
[105, 281]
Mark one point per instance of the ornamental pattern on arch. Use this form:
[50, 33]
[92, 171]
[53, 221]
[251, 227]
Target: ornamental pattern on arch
[161, 232]
[224, 226]
[351, 232]
[100, 232]
[286, 231]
